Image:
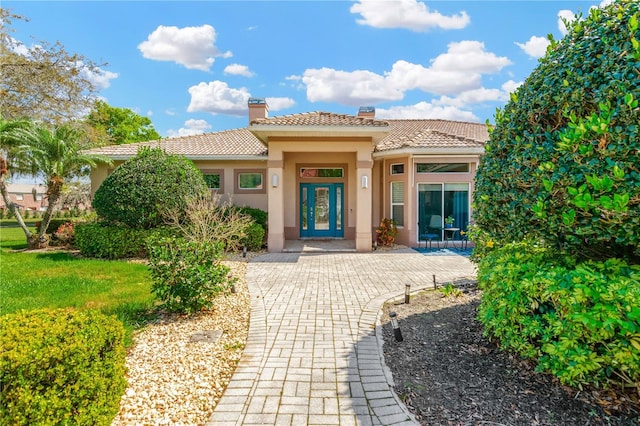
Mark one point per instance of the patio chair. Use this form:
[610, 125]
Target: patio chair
[431, 232]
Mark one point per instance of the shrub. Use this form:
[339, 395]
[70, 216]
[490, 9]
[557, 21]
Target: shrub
[254, 237]
[581, 321]
[61, 367]
[113, 242]
[259, 216]
[54, 225]
[186, 274]
[138, 191]
[64, 235]
[206, 219]
[386, 232]
[561, 165]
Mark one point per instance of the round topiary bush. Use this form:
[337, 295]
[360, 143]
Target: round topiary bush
[563, 162]
[139, 191]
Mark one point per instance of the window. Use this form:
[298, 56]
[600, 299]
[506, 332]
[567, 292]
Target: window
[250, 180]
[397, 202]
[320, 172]
[19, 197]
[443, 168]
[441, 201]
[38, 197]
[212, 180]
[397, 169]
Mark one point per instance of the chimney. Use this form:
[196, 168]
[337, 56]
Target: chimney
[258, 108]
[367, 112]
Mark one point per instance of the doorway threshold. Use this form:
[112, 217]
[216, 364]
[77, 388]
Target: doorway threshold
[319, 246]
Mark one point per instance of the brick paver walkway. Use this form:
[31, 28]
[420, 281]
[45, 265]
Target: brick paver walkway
[313, 356]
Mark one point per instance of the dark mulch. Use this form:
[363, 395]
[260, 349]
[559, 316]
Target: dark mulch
[447, 373]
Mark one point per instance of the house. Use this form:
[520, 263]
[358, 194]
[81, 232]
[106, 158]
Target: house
[324, 175]
[26, 197]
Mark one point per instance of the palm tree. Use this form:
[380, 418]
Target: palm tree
[55, 153]
[13, 133]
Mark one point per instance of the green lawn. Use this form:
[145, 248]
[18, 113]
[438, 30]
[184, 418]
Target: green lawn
[57, 280]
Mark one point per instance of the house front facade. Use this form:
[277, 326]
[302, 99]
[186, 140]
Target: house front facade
[322, 175]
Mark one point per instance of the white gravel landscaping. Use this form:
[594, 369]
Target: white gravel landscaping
[173, 380]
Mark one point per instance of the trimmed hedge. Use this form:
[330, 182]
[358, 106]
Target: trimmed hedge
[259, 216]
[563, 162]
[61, 367]
[139, 192]
[581, 321]
[254, 237]
[113, 242]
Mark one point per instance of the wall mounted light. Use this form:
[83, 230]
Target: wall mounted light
[365, 182]
[274, 181]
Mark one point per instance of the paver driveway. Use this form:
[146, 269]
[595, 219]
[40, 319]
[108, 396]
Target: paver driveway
[313, 356]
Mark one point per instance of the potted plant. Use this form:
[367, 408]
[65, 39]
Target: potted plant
[448, 222]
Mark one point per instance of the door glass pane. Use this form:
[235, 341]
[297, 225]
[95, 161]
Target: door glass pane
[456, 203]
[321, 209]
[304, 208]
[339, 208]
[430, 209]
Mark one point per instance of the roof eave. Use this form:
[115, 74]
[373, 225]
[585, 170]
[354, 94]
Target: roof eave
[202, 157]
[263, 132]
[430, 151]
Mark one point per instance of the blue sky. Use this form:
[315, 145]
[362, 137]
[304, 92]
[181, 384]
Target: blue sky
[191, 66]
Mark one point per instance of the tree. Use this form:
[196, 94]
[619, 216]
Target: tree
[120, 125]
[139, 192]
[43, 82]
[12, 134]
[562, 165]
[56, 153]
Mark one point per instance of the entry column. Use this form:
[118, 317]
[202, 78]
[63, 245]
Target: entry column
[275, 239]
[363, 205]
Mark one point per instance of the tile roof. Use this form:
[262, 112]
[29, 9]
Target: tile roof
[318, 118]
[425, 133]
[430, 133]
[232, 143]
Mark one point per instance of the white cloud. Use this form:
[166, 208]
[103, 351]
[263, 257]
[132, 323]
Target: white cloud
[470, 56]
[170, 111]
[216, 97]
[406, 76]
[511, 86]
[605, 3]
[193, 47]
[349, 88]
[562, 16]
[536, 47]
[458, 70]
[149, 113]
[470, 97]
[100, 78]
[237, 69]
[276, 104]
[426, 110]
[191, 127]
[409, 14]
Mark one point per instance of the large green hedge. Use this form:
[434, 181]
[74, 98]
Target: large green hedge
[580, 321]
[61, 367]
[563, 162]
[139, 191]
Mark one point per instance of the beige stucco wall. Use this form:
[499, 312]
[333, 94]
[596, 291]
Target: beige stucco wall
[228, 170]
[408, 234]
[287, 155]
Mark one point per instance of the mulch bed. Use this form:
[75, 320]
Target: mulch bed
[447, 373]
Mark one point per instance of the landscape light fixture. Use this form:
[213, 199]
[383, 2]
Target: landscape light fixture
[396, 327]
[375, 245]
[244, 251]
[407, 293]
